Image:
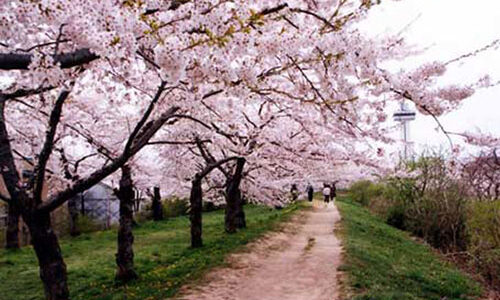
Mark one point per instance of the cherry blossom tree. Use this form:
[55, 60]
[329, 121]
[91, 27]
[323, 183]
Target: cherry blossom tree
[481, 173]
[102, 78]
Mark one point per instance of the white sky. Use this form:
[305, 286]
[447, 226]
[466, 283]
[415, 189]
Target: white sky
[448, 29]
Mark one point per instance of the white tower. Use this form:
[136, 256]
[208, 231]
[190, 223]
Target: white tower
[405, 115]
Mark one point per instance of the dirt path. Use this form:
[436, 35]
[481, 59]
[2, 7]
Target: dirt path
[299, 263]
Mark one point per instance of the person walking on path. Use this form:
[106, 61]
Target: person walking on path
[333, 192]
[326, 193]
[295, 192]
[310, 192]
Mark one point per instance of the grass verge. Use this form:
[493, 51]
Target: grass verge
[384, 263]
[163, 258]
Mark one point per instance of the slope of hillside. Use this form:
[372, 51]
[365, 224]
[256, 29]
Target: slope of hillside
[382, 262]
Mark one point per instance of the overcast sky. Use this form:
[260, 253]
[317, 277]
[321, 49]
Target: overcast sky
[448, 29]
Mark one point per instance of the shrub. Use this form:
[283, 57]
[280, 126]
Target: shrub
[2, 237]
[436, 212]
[87, 224]
[211, 206]
[363, 191]
[174, 207]
[483, 229]
[396, 216]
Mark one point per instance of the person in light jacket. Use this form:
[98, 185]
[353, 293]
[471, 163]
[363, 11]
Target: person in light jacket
[326, 193]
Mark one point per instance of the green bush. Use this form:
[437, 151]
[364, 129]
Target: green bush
[436, 213]
[396, 216]
[175, 207]
[210, 206]
[87, 224]
[483, 229]
[2, 237]
[364, 191]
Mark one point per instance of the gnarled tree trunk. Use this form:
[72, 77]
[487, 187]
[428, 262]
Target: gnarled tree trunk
[157, 206]
[195, 201]
[50, 260]
[234, 216]
[73, 216]
[240, 213]
[12, 236]
[125, 256]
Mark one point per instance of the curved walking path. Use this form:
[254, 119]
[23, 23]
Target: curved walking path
[298, 263]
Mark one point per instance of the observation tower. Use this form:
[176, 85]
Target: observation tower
[404, 116]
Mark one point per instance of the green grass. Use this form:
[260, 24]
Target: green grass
[163, 258]
[382, 262]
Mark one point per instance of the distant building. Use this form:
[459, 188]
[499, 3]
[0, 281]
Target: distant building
[101, 204]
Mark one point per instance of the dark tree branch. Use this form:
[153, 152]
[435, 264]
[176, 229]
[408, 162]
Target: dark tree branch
[42, 45]
[212, 93]
[182, 116]
[208, 158]
[7, 163]
[307, 12]
[15, 61]
[215, 165]
[81, 185]
[271, 10]
[79, 161]
[58, 39]
[26, 93]
[54, 119]
[177, 142]
[249, 121]
[145, 116]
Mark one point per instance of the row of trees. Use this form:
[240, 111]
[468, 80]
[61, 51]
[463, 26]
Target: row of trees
[195, 96]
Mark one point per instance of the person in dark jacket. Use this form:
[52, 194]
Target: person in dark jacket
[295, 192]
[310, 192]
[333, 191]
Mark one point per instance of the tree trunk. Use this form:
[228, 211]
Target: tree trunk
[195, 200]
[9, 174]
[12, 237]
[50, 260]
[240, 213]
[125, 256]
[234, 216]
[157, 206]
[73, 216]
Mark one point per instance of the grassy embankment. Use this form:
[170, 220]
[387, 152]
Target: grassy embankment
[163, 258]
[382, 262]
